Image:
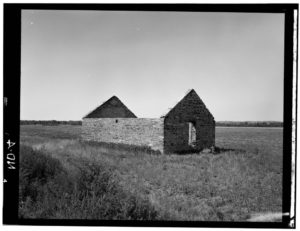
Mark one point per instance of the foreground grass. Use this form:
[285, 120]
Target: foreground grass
[225, 187]
[48, 190]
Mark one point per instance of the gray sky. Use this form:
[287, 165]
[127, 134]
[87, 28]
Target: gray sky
[72, 61]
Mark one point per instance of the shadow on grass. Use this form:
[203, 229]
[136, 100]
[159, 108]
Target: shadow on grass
[135, 149]
[213, 150]
[220, 150]
[147, 150]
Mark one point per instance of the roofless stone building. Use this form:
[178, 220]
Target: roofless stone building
[187, 127]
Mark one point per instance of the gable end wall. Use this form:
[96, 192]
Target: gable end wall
[176, 128]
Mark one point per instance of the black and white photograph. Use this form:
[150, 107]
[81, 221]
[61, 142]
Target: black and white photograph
[154, 115]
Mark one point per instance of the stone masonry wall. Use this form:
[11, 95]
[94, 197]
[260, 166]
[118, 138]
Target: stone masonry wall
[176, 127]
[176, 135]
[133, 131]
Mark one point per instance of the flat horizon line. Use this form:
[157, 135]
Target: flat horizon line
[219, 121]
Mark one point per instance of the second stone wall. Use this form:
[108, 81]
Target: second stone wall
[133, 131]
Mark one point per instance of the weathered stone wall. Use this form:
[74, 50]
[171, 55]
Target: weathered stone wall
[133, 131]
[176, 135]
[176, 127]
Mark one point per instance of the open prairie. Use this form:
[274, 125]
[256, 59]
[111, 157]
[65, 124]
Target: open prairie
[245, 178]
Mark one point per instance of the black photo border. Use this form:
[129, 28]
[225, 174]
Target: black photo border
[11, 108]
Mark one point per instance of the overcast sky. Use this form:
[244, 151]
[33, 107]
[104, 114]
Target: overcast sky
[72, 61]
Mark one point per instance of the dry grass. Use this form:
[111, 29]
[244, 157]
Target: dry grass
[87, 191]
[226, 187]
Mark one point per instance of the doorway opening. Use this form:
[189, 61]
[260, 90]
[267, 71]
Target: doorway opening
[192, 134]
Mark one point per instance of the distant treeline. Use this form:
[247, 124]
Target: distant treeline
[50, 122]
[249, 124]
[219, 123]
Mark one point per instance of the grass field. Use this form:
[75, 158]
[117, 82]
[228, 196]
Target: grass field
[132, 184]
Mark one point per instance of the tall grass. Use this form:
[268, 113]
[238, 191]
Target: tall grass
[47, 190]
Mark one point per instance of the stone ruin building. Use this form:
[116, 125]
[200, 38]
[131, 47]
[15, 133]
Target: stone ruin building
[187, 127]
